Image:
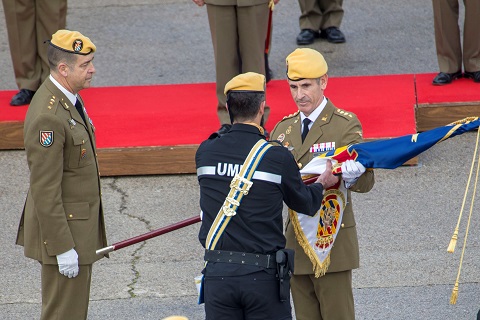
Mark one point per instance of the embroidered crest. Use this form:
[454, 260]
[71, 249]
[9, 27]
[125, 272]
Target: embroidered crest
[46, 138]
[77, 45]
[281, 137]
[328, 222]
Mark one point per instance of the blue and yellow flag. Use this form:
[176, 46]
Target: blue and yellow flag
[392, 153]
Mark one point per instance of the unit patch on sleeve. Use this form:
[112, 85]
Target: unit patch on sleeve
[46, 138]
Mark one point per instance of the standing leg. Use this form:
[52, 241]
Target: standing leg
[223, 29]
[471, 40]
[63, 297]
[51, 17]
[447, 41]
[252, 31]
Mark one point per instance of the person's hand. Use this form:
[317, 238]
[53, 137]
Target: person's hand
[199, 2]
[327, 179]
[351, 171]
[68, 263]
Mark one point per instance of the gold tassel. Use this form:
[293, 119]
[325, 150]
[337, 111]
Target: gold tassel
[271, 4]
[453, 241]
[453, 298]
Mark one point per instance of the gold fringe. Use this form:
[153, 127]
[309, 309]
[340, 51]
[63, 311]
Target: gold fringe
[454, 296]
[464, 120]
[453, 241]
[319, 268]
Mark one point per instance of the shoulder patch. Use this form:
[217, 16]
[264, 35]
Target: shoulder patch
[46, 138]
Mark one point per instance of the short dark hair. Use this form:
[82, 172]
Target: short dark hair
[56, 56]
[244, 105]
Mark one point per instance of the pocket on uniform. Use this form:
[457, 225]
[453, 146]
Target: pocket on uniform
[81, 153]
[77, 211]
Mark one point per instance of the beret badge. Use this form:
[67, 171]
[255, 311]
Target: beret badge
[77, 45]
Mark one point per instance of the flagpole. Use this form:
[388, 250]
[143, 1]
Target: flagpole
[166, 229]
[149, 235]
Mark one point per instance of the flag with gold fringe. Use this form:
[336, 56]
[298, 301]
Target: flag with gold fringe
[385, 154]
[392, 153]
[316, 234]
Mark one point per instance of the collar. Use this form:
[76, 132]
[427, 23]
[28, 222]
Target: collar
[316, 113]
[245, 127]
[71, 97]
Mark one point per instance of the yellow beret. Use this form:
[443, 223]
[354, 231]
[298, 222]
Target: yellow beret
[73, 42]
[249, 81]
[305, 63]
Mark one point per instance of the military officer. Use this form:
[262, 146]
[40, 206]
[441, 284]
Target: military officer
[62, 223]
[243, 183]
[320, 126]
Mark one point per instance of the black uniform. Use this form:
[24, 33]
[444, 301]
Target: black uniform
[238, 291]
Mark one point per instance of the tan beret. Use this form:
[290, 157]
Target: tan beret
[73, 42]
[249, 81]
[305, 63]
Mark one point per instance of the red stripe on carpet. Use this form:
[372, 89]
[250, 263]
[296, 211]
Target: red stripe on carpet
[461, 90]
[181, 114]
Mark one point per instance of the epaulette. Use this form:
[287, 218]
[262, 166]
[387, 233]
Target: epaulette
[345, 114]
[291, 115]
[53, 103]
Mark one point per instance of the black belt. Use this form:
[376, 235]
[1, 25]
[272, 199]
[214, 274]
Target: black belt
[252, 259]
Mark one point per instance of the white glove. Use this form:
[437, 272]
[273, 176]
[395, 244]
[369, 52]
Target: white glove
[68, 263]
[351, 171]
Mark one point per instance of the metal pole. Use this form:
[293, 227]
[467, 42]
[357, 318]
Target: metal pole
[148, 235]
[167, 229]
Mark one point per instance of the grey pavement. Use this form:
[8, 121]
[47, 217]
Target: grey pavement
[405, 223]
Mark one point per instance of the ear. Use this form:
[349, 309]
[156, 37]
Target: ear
[63, 69]
[262, 107]
[324, 81]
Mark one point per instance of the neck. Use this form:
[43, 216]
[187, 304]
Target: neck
[256, 125]
[63, 82]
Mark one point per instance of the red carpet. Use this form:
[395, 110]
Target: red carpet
[461, 90]
[183, 114]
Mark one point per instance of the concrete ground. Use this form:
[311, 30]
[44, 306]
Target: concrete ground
[405, 223]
